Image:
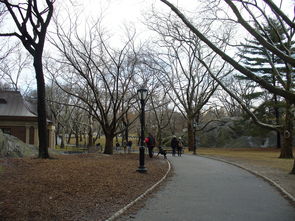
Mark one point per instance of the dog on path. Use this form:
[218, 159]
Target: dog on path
[162, 152]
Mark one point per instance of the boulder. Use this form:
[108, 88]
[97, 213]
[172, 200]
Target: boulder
[235, 133]
[246, 141]
[11, 146]
[218, 134]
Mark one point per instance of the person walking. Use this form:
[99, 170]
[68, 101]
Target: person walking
[117, 146]
[98, 147]
[125, 147]
[129, 145]
[174, 145]
[150, 143]
[179, 147]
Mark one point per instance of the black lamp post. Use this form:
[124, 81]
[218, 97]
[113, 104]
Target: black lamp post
[195, 140]
[142, 94]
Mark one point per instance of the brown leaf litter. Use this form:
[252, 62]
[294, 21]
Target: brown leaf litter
[73, 187]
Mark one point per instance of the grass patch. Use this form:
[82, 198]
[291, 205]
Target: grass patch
[101, 140]
[268, 157]
[70, 148]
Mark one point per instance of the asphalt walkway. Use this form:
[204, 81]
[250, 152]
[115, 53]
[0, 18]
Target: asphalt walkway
[207, 190]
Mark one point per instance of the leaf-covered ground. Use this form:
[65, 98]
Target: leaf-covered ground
[73, 187]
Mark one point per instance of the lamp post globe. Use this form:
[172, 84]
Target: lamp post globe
[142, 95]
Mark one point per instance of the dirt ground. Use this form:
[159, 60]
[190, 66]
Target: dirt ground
[73, 187]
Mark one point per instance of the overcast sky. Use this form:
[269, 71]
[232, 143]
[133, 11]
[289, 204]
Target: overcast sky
[117, 13]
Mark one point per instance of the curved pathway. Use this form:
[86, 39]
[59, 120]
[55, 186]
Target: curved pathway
[207, 190]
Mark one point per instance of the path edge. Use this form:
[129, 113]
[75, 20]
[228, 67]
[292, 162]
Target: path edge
[121, 211]
[256, 173]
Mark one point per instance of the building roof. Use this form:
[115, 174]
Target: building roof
[12, 104]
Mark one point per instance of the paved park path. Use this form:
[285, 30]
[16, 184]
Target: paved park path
[207, 190]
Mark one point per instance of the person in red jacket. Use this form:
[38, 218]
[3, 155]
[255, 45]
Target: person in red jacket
[150, 143]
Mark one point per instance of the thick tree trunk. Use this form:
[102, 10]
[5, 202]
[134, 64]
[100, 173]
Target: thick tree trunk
[69, 137]
[277, 116]
[287, 134]
[77, 139]
[41, 107]
[159, 137]
[190, 135]
[286, 150]
[126, 135]
[109, 144]
[90, 137]
[57, 132]
[63, 138]
[293, 170]
[85, 140]
[90, 131]
[62, 143]
[279, 145]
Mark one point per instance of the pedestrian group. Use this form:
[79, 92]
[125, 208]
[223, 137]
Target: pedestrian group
[150, 141]
[176, 145]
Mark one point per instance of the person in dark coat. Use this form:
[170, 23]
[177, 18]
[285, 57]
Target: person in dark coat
[129, 146]
[150, 143]
[117, 146]
[179, 147]
[174, 145]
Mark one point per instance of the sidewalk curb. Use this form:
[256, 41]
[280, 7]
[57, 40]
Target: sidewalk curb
[118, 213]
[273, 183]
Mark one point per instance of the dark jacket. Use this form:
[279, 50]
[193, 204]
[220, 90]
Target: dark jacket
[150, 141]
[174, 142]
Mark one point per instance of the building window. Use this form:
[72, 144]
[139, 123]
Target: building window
[3, 101]
[6, 130]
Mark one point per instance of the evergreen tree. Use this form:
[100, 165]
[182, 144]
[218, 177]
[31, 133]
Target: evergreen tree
[270, 67]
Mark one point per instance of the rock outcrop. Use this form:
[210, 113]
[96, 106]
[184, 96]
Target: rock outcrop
[11, 146]
[235, 133]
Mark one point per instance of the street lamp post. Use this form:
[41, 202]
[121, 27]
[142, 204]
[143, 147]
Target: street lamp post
[142, 94]
[195, 140]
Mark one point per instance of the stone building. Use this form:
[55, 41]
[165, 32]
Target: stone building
[19, 118]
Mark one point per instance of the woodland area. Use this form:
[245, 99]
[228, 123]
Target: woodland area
[218, 59]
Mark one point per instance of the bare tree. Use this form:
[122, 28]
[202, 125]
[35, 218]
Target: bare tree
[103, 77]
[285, 55]
[32, 19]
[62, 110]
[265, 10]
[162, 110]
[5, 46]
[12, 67]
[190, 87]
